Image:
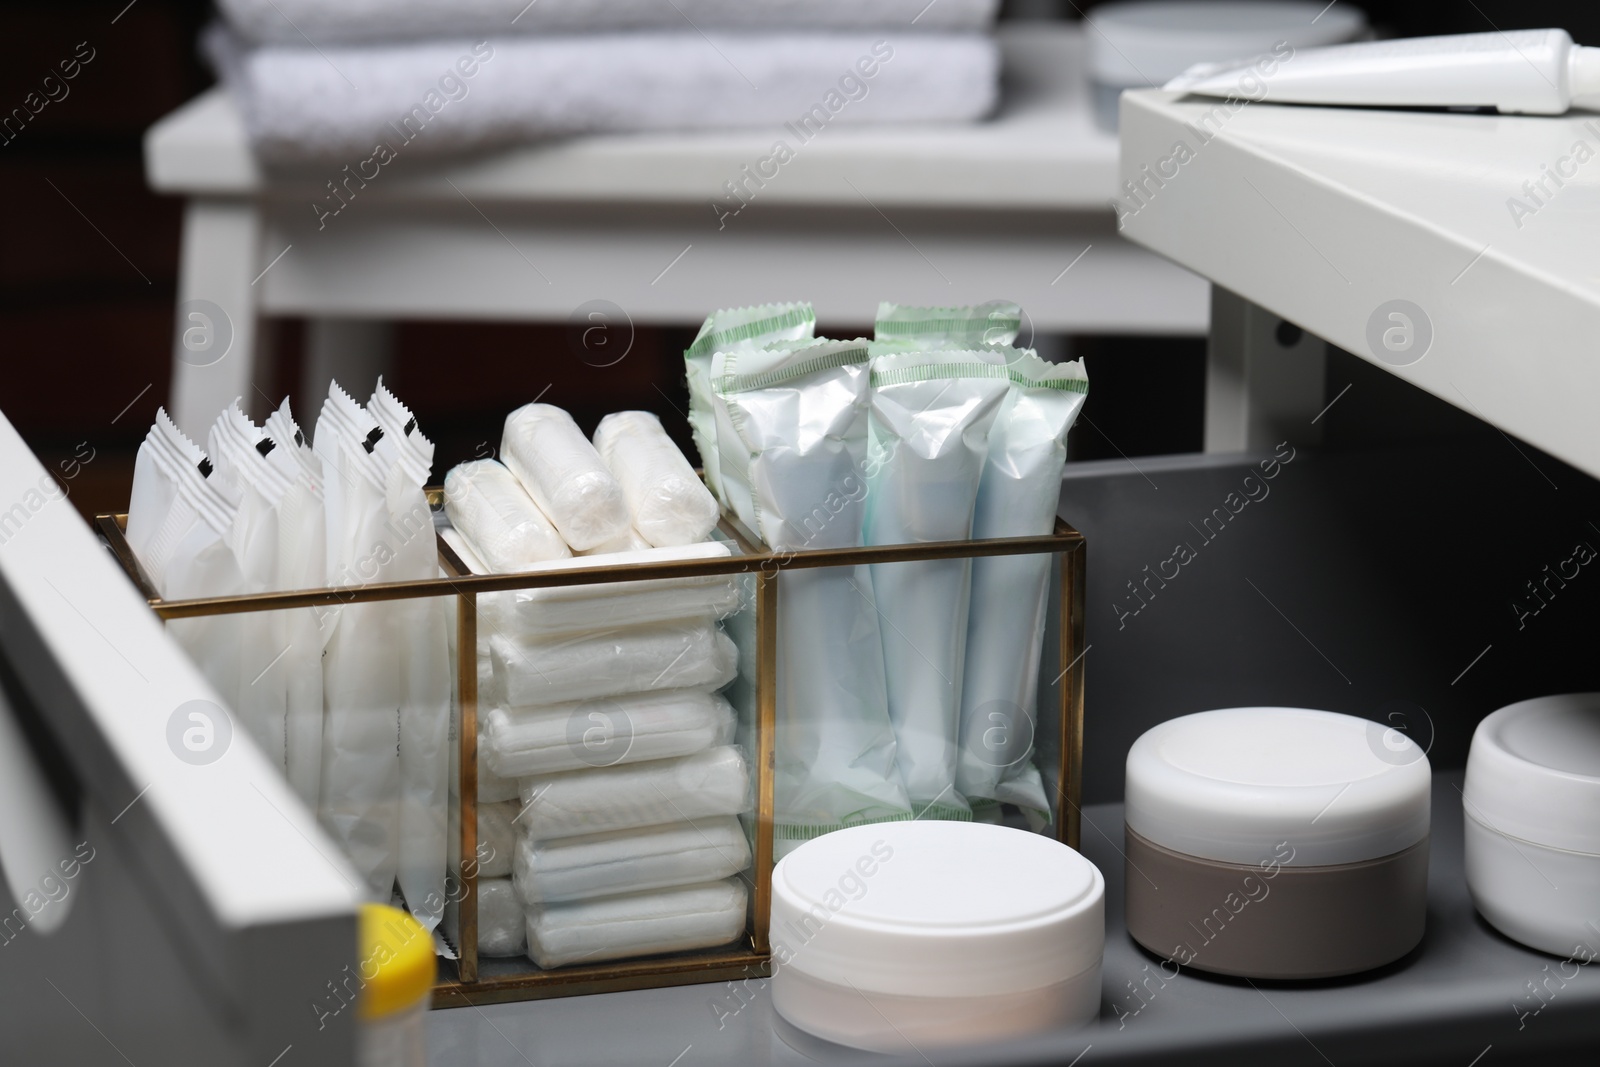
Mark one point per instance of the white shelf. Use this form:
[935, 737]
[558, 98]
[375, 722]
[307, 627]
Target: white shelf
[1042, 151]
[1322, 215]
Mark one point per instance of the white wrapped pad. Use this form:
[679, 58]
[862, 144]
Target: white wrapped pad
[497, 837]
[637, 924]
[605, 731]
[629, 861]
[565, 476]
[612, 662]
[713, 782]
[490, 508]
[502, 920]
[669, 504]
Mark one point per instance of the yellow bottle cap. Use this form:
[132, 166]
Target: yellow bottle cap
[397, 963]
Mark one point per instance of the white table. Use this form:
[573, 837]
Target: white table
[931, 215]
[1327, 216]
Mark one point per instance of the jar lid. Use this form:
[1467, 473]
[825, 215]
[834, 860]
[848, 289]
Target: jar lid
[1534, 772]
[397, 966]
[937, 909]
[1144, 41]
[1299, 787]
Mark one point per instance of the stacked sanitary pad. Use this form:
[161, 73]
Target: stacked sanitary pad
[363, 82]
[601, 701]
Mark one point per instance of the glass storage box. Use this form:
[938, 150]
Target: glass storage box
[475, 979]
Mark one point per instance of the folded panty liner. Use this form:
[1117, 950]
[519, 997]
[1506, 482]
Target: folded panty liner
[502, 920]
[628, 861]
[631, 795]
[681, 655]
[605, 731]
[497, 837]
[566, 477]
[495, 514]
[637, 924]
[668, 503]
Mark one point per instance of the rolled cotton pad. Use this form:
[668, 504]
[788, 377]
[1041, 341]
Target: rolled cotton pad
[566, 477]
[670, 506]
[499, 519]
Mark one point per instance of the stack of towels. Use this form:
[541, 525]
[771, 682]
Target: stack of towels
[609, 786]
[364, 81]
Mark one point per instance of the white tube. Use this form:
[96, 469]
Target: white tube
[490, 507]
[1536, 72]
[560, 469]
[670, 506]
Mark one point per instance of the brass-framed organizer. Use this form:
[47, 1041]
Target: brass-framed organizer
[1061, 750]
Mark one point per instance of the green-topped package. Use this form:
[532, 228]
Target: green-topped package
[791, 426]
[928, 439]
[732, 329]
[1005, 631]
[901, 327]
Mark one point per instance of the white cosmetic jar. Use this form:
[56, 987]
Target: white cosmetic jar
[895, 937]
[1277, 842]
[1532, 805]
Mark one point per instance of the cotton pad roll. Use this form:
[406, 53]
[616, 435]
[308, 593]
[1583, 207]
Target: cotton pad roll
[628, 861]
[502, 920]
[606, 731]
[897, 936]
[565, 476]
[637, 924]
[613, 662]
[713, 782]
[670, 506]
[498, 518]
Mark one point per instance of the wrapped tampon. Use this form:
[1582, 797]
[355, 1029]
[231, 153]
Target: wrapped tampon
[605, 731]
[713, 782]
[629, 861]
[674, 655]
[929, 430]
[497, 837]
[637, 924]
[566, 477]
[489, 506]
[502, 920]
[669, 504]
[1017, 497]
[747, 327]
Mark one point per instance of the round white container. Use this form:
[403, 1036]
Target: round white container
[1532, 804]
[1138, 43]
[1285, 842]
[896, 936]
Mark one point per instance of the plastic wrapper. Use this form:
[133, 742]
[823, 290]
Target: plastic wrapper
[792, 424]
[497, 837]
[1017, 497]
[684, 655]
[628, 861]
[637, 924]
[929, 430]
[668, 502]
[605, 731]
[506, 529]
[630, 795]
[502, 920]
[747, 327]
[563, 473]
[909, 328]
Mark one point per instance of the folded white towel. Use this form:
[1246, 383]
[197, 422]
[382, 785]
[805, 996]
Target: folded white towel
[497, 838]
[629, 861]
[363, 107]
[502, 920]
[637, 924]
[605, 732]
[297, 21]
[612, 662]
[713, 782]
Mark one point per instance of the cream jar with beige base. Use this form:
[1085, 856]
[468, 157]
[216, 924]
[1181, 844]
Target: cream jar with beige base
[1277, 843]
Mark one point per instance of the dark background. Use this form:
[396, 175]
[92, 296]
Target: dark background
[88, 264]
